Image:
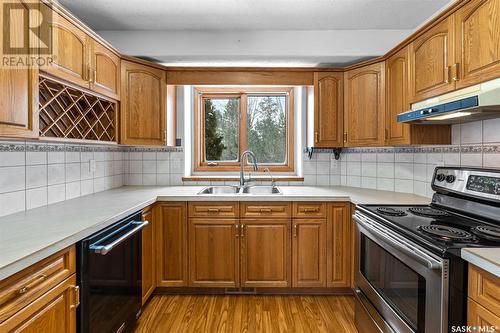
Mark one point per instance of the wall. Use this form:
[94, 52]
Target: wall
[410, 170]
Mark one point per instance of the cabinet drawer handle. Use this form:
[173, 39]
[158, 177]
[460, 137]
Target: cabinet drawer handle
[455, 76]
[266, 210]
[242, 230]
[237, 230]
[316, 137]
[447, 74]
[213, 210]
[39, 279]
[294, 230]
[76, 290]
[311, 210]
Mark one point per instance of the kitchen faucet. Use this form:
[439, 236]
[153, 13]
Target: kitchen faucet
[242, 166]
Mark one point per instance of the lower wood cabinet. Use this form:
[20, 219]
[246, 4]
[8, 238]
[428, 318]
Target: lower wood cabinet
[171, 244]
[42, 297]
[148, 255]
[309, 252]
[339, 246]
[213, 252]
[483, 305]
[265, 253]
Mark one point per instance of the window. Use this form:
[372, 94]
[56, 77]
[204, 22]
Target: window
[230, 121]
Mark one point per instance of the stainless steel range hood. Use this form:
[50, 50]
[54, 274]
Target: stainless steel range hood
[478, 102]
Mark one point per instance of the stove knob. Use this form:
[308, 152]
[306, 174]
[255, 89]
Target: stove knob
[440, 177]
[450, 178]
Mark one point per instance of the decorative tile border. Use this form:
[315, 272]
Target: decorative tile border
[29, 146]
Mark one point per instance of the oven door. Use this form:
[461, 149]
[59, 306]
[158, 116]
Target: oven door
[407, 285]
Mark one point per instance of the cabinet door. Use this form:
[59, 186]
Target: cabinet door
[170, 223]
[339, 246]
[18, 86]
[328, 109]
[105, 71]
[55, 311]
[481, 317]
[71, 48]
[309, 253]
[265, 253]
[143, 105]
[397, 86]
[148, 255]
[213, 253]
[431, 58]
[364, 106]
[477, 42]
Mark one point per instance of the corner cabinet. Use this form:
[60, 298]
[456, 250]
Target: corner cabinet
[364, 106]
[19, 92]
[397, 101]
[328, 109]
[432, 61]
[477, 31]
[143, 105]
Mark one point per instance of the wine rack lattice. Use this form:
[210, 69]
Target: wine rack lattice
[69, 113]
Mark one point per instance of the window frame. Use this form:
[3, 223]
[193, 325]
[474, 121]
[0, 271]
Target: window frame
[201, 165]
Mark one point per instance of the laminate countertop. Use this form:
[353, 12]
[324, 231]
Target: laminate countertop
[485, 258]
[28, 237]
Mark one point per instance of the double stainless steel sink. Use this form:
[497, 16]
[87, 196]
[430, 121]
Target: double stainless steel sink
[244, 190]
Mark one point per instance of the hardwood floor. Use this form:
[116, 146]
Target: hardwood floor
[248, 313]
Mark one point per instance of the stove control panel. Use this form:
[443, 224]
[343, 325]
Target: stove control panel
[475, 182]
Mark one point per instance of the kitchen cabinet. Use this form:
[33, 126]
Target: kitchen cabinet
[105, 73]
[483, 306]
[71, 51]
[397, 101]
[265, 252]
[432, 60]
[339, 246]
[42, 297]
[143, 105]
[309, 252]
[477, 32]
[213, 252]
[148, 255]
[328, 109]
[19, 89]
[364, 106]
[170, 225]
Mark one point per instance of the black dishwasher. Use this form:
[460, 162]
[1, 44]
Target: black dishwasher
[110, 277]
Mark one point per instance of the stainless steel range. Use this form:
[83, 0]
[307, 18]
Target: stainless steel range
[410, 276]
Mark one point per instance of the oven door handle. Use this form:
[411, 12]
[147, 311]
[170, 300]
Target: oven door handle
[388, 238]
[105, 248]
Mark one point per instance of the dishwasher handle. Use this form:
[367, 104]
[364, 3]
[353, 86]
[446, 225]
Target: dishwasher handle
[105, 248]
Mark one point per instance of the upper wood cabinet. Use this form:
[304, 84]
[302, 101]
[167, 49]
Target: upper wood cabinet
[432, 57]
[396, 90]
[143, 105]
[71, 48]
[364, 100]
[170, 228]
[105, 64]
[265, 252]
[18, 89]
[476, 44]
[328, 109]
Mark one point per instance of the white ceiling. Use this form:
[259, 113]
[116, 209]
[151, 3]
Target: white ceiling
[253, 14]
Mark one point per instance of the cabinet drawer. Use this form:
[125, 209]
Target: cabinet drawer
[484, 288]
[479, 316]
[264, 209]
[19, 290]
[309, 209]
[208, 209]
